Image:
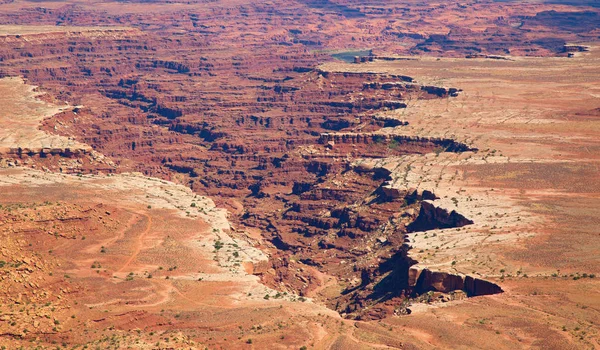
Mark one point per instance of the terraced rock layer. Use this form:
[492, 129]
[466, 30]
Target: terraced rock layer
[317, 165]
[315, 208]
[240, 112]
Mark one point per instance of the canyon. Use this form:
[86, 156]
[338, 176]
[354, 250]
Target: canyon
[232, 184]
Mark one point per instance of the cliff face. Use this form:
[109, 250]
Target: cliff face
[281, 146]
[240, 112]
[431, 217]
[424, 281]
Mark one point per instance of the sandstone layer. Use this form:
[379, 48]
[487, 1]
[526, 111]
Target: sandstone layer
[213, 174]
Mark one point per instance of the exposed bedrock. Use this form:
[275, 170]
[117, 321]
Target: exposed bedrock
[204, 131]
[356, 231]
[236, 111]
[255, 132]
[404, 87]
[443, 144]
[47, 151]
[338, 123]
[363, 75]
[380, 288]
[389, 122]
[411, 195]
[431, 217]
[575, 48]
[475, 287]
[425, 280]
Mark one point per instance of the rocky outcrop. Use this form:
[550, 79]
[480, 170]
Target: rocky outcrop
[431, 143]
[404, 87]
[412, 195]
[576, 48]
[431, 217]
[365, 75]
[252, 117]
[440, 91]
[389, 122]
[425, 280]
[476, 287]
[46, 151]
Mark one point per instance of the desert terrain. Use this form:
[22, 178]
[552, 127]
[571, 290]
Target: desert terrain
[299, 174]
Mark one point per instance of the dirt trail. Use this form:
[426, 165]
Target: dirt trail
[138, 244]
[350, 334]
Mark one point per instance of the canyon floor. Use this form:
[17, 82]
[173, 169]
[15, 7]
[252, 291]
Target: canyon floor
[195, 175]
